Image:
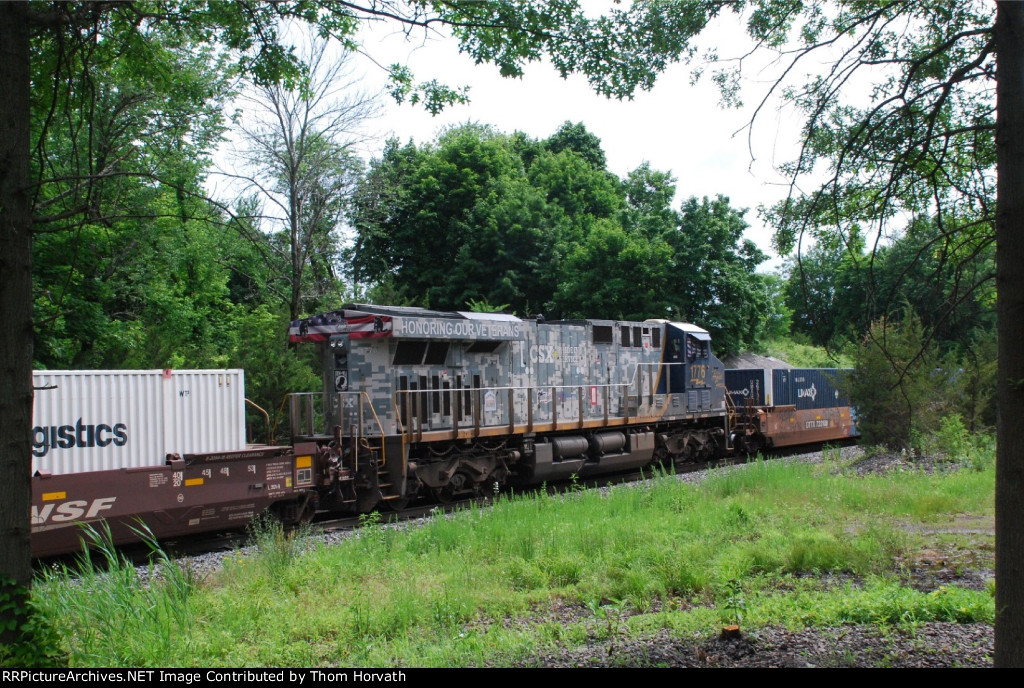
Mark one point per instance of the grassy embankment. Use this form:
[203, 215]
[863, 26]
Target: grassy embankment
[772, 543]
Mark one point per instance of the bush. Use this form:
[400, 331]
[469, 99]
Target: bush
[899, 385]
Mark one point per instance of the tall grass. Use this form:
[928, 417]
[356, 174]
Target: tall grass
[484, 584]
[108, 614]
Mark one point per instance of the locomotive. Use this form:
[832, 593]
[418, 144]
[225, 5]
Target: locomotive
[414, 403]
[454, 402]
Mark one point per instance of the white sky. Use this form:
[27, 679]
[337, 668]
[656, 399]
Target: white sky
[676, 127]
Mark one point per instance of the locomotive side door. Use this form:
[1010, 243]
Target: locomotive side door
[603, 365]
[675, 358]
[521, 378]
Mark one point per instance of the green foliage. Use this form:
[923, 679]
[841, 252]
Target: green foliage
[715, 283]
[542, 226]
[612, 274]
[734, 603]
[272, 370]
[483, 306]
[827, 294]
[276, 549]
[897, 385]
[125, 262]
[905, 390]
[904, 220]
[110, 615]
[35, 644]
[952, 437]
[921, 143]
[576, 138]
[801, 354]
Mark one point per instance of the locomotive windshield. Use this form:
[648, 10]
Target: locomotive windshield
[696, 348]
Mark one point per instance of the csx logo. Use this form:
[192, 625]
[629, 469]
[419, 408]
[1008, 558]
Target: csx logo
[71, 510]
[543, 353]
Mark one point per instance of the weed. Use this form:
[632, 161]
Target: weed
[575, 485]
[277, 549]
[832, 456]
[114, 616]
[735, 603]
[953, 438]
[612, 615]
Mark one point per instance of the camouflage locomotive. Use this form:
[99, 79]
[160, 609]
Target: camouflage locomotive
[453, 403]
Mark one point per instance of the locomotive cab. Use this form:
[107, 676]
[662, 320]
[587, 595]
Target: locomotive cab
[691, 369]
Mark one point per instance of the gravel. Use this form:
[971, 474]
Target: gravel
[929, 645]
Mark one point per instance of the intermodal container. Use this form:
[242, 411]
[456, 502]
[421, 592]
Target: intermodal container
[99, 420]
[749, 386]
[808, 388]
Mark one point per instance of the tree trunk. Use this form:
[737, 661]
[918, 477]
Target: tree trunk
[1010, 287]
[15, 306]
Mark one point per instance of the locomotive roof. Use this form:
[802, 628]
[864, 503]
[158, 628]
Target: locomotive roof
[407, 311]
[371, 321]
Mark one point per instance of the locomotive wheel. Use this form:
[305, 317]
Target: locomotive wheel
[459, 485]
[397, 504]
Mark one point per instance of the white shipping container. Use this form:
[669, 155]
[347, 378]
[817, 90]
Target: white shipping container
[98, 420]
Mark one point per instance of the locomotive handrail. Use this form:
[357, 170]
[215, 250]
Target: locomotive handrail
[380, 426]
[411, 408]
[653, 384]
[303, 419]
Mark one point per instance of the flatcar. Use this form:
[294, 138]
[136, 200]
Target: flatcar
[414, 403]
[783, 407]
[162, 450]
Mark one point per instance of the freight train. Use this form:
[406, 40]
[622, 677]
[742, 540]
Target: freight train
[415, 403]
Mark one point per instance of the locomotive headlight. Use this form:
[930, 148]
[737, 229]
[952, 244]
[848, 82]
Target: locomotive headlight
[337, 343]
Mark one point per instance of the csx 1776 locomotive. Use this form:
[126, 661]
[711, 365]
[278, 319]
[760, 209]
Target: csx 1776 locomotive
[452, 403]
[414, 403]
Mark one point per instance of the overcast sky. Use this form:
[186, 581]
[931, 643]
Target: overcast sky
[676, 126]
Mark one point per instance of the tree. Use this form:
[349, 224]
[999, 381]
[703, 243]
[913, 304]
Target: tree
[614, 273]
[576, 138]
[903, 121]
[897, 383]
[246, 37]
[298, 143]
[827, 290]
[477, 215]
[1009, 46]
[714, 274]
